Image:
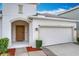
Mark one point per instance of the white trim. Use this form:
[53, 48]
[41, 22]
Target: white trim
[19, 18]
[52, 18]
[56, 26]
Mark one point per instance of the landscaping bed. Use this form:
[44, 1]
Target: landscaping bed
[29, 49]
[4, 51]
[11, 52]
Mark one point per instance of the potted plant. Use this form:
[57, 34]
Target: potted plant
[4, 46]
[38, 43]
[78, 39]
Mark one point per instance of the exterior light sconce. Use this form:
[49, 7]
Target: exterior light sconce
[30, 18]
[75, 28]
[36, 29]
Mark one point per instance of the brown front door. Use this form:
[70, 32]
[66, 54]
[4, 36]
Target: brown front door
[20, 33]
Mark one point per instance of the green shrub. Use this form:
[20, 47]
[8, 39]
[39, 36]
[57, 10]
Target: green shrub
[38, 43]
[4, 45]
[78, 39]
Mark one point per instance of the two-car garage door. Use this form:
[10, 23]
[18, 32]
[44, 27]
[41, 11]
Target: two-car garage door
[55, 35]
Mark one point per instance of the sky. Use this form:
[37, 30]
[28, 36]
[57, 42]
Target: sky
[53, 8]
[0, 6]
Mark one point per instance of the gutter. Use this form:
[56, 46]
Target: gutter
[52, 19]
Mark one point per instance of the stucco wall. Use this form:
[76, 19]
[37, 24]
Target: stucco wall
[11, 10]
[0, 28]
[10, 14]
[42, 22]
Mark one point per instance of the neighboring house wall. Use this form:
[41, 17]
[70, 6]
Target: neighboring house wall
[72, 15]
[48, 22]
[10, 14]
[0, 28]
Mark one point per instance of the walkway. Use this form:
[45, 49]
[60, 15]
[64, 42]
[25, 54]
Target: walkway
[21, 52]
[27, 52]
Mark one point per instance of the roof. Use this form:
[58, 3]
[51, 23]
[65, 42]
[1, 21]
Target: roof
[70, 10]
[50, 15]
[52, 18]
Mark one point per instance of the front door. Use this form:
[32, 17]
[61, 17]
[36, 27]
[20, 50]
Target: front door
[20, 32]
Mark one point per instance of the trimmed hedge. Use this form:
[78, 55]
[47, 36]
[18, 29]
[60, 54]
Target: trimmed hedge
[38, 43]
[4, 45]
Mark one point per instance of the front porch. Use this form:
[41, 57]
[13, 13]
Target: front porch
[19, 34]
[20, 44]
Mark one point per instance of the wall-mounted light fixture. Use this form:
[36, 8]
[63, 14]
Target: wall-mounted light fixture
[36, 29]
[75, 28]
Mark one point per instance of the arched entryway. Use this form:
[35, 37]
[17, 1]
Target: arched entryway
[20, 31]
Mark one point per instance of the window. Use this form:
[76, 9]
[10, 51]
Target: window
[20, 9]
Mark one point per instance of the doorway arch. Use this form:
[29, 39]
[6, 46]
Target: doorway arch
[19, 31]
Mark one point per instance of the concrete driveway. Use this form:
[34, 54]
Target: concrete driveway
[67, 49]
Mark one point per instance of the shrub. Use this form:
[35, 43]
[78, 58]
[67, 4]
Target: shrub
[38, 43]
[4, 45]
[78, 39]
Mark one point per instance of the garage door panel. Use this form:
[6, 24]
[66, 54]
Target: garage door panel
[52, 35]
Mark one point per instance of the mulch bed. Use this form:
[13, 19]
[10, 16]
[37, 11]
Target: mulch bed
[11, 52]
[29, 49]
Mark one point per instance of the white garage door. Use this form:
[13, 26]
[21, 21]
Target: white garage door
[55, 35]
